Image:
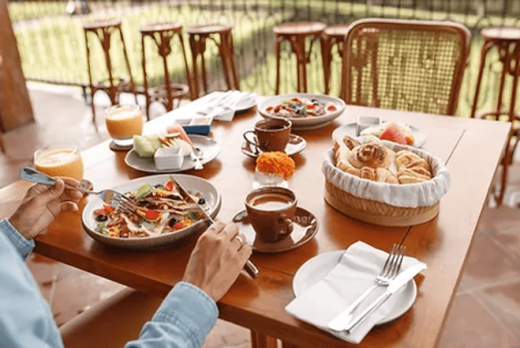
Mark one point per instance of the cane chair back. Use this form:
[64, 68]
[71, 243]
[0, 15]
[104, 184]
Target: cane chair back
[404, 65]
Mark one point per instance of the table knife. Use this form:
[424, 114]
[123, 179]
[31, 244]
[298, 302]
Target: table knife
[249, 267]
[401, 280]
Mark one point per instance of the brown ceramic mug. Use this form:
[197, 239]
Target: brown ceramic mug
[270, 211]
[270, 134]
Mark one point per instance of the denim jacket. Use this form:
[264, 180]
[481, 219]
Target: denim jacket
[184, 318]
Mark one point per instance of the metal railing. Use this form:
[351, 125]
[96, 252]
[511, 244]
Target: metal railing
[52, 47]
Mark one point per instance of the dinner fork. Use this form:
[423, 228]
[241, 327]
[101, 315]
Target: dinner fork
[384, 277]
[110, 197]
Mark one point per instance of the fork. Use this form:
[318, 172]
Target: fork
[110, 197]
[384, 277]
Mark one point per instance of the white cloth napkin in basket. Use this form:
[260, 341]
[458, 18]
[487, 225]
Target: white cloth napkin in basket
[355, 273]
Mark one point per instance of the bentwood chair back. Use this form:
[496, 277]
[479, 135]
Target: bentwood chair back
[404, 65]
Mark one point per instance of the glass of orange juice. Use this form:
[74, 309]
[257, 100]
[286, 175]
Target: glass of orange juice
[123, 122]
[59, 160]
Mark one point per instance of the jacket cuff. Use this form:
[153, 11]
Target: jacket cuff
[22, 245]
[190, 308]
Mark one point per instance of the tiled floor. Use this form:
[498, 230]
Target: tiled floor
[485, 313]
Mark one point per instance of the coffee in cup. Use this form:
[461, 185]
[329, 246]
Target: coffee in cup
[271, 211]
[270, 134]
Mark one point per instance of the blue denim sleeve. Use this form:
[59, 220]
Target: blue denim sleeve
[183, 320]
[25, 318]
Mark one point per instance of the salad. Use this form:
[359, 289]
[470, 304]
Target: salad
[299, 108]
[160, 209]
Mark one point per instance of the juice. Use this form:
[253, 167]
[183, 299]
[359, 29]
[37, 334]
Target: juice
[123, 122]
[59, 160]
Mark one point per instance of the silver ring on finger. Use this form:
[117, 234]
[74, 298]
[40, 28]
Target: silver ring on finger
[240, 240]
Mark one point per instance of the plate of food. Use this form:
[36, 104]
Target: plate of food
[162, 215]
[143, 156]
[396, 132]
[305, 111]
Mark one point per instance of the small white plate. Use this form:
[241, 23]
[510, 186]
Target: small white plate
[350, 129]
[319, 266]
[210, 150]
[303, 123]
[295, 145]
[191, 183]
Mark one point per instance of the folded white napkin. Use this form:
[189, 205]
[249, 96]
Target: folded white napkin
[354, 274]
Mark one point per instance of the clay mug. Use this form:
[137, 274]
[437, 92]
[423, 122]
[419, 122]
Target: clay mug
[271, 211]
[270, 134]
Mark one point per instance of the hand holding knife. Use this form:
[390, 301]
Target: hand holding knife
[249, 266]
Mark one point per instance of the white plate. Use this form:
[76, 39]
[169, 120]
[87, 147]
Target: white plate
[310, 122]
[245, 104]
[209, 147]
[319, 266]
[191, 183]
[350, 129]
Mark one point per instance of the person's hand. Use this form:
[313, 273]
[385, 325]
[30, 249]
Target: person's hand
[217, 260]
[41, 204]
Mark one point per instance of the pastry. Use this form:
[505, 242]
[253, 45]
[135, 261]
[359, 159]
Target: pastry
[350, 142]
[368, 173]
[384, 175]
[369, 154]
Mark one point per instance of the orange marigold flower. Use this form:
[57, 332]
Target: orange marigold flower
[276, 163]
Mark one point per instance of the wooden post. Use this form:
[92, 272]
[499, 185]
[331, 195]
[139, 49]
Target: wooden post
[15, 106]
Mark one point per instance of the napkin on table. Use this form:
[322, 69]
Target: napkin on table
[354, 274]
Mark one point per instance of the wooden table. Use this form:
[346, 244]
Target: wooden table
[471, 149]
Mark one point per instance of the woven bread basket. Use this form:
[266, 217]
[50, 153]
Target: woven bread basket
[360, 198]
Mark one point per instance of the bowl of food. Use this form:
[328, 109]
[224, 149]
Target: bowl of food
[382, 182]
[305, 111]
[162, 214]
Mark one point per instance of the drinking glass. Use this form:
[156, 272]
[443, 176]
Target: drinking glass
[123, 122]
[59, 160]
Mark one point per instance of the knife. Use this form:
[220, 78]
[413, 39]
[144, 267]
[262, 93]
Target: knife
[249, 266]
[401, 280]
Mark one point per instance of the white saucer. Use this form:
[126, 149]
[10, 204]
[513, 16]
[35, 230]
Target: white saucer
[295, 145]
[319, 266]
[350, 129]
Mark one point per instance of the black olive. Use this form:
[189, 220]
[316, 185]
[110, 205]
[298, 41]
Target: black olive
[101, 218]
[201, 201]
[172, 222]
[159, 186]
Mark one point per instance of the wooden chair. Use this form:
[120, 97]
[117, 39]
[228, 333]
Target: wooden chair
[112, 86]
[332, 36]
[507, 42]
[404, 65]
[162, 35]
[198, 38]
[296, 34]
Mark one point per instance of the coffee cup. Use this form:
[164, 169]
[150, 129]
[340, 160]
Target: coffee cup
[271, 211]
[270, 134]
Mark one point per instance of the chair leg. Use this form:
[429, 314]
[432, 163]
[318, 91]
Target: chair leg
[145, 79]
[128, 69]
[288, 345]
[233, 62]
[326, 58]
[505, 68]
[259, 340]
[93, 108]
[483, 53]
[277, 48]
[194, 54]
[188, 77]
[223, 51]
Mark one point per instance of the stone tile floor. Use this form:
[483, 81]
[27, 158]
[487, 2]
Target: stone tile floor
[486, 310]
